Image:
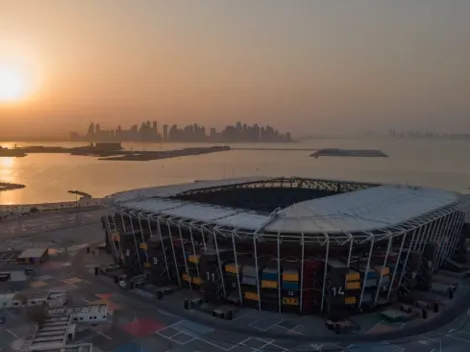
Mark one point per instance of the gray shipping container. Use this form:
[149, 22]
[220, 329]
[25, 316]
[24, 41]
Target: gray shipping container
[249, 270]
[248, 280]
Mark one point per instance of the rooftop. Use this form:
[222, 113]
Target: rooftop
[32, 253]
[368, 209]
[8, 256]
[52, 335]
[91, 309]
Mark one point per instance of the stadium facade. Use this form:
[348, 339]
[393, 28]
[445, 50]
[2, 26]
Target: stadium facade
[287, 244]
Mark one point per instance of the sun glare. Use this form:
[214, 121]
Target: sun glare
[12, 85]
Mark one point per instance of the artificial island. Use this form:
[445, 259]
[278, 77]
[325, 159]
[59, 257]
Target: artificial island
[111, 151]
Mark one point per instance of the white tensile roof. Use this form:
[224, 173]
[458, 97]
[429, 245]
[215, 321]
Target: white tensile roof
[364, 210]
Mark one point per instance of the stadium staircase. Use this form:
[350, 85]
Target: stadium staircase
[213, 286]
[158, 261]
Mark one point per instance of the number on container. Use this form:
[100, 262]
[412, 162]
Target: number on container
[337, 291]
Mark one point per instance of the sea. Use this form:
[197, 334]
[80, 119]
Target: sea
[48, 177]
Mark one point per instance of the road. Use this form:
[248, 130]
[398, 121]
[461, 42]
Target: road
[44, 223]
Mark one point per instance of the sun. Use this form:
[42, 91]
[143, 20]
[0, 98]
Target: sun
[12, 85]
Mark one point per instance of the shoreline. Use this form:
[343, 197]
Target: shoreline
[86, 203]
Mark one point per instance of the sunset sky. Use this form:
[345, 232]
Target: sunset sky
[306, 66]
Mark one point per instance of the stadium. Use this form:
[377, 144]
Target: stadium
[287, 244]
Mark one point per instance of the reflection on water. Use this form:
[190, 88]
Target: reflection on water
[6, 162]
[48, 177]
[6, 169]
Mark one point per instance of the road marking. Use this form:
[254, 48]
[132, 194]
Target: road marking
[170, 326]
[164, 312]
[253, 324]
[242, 343]
[458, 338]
[86, 338]
[104, 335]
[11, 333]
[11, 314]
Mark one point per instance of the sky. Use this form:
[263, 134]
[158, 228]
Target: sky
[304, 66]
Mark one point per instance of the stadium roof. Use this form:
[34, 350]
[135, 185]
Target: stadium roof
[364, 210]
[369, 209]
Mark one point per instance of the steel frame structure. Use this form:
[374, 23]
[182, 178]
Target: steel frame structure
[442, 226]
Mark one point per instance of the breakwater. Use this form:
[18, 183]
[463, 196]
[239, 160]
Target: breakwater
[358, 153]
[10, 186]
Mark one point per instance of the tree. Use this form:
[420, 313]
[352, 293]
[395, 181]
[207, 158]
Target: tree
[37, 314]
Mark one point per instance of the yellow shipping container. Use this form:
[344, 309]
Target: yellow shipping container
[251, 296]
[193, 259]
[353, 276]
[143, 245]
[290, 277]
[231, 268]
[268, 284]
[290, 301]
[350, 300]
[382, 271]
[197, 281]
[353, 285]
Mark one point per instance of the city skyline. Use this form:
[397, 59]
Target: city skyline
[149, 131]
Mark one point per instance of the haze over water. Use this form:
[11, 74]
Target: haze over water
[48, 177]
[302, 66]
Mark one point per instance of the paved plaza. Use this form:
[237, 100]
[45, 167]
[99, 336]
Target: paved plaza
[135, 325]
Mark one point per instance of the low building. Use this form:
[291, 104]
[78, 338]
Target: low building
[52, 299]
[52, 335]
[15, 275]
[83, 314]
[8, 257]
[33, 256]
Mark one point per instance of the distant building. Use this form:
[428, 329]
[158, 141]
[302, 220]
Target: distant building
[148, 132]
